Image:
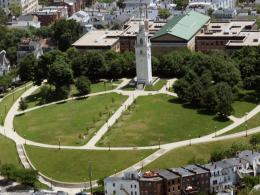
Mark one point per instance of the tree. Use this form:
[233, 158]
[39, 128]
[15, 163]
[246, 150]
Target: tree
[23, 104]
[60, 73]
[27, 67]
[3, 17]
[66, 32]
[120, 4]
[164, 13]
[26, 176]
[8, 171]
[255, 140]
[15, 9]
[83, 85]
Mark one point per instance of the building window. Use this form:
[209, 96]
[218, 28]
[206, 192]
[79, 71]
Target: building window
[114, 184]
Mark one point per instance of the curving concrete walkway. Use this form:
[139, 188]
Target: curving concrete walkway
[9, 132]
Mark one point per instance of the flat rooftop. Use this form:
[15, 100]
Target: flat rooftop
[168, 174]
[227, 28]
[196, 169]
[182, 172]
[132, 27]
[251, 38]
[99, 38]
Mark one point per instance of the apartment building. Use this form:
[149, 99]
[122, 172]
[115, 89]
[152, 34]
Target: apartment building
[28, 6]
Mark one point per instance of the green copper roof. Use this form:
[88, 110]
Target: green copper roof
[184, 26]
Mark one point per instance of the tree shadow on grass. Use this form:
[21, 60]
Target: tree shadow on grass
[249, 96]
[200, 111]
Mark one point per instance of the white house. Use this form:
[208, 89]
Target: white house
[253, 158]
[26, 21]
[4, 63]
[128, 184]
[225, 174]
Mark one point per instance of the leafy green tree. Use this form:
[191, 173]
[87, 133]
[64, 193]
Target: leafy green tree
[120, 4]
[27, 176]
[8, 171]
[27, 67]
[83, 85]
[11, 55]
[3, 17]
[164, 13]
[65, 32]
[60, 73]
[62, 92]
[255, 140]
[16, 9]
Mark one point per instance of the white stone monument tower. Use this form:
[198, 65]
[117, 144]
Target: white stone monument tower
[143, 55]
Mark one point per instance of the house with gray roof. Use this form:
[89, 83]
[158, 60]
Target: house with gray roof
[4, 63]
[179, 32]
[253, 158]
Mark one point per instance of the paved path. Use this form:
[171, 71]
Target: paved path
[8, 131]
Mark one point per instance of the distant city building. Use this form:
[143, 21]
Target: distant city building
[128, 184]
[26, 21]
[4, 63]
[99, 40]
[204, 5]
[143, 55]
[27, 46]
[230, 35]
[50, 14]
[73, 6]
[83, 18]
[179, 32]
[28, 6]
[225, 13]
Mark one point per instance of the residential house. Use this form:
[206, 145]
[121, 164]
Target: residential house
[151, 183]
[171, 182]
[73, 6]
[128, 184]
[27, 46]
[25, 21]
[225, 13]
[50, 14]
[253, 158]
[4, 63]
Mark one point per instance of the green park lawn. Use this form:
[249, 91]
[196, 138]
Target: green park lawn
[35, 98]
[73, 165]
[157, 85]
[69, 121]
[159, 116]
[199, 153]
[8, 152]
[246, 101]
[251, 123]
[8, 101]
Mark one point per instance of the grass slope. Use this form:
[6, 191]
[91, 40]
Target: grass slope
[8, 152]
[73, 165]
[247, 100]
[192, 154]
[8, 101]
[68, 121]
[159, 116]
[35, 98]
[251, 123]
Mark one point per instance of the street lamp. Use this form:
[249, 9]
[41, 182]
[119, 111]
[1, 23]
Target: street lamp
[246, 122]
[215, 128]
[25, 139]
[59, 143]
[108, 146]
[159, 140]
[190, 140]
